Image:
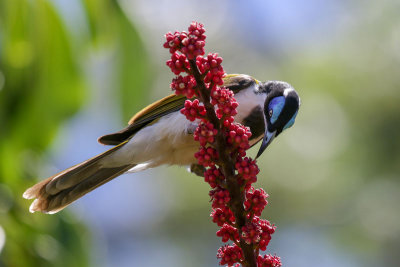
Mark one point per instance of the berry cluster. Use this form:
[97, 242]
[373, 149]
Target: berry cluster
[178, 63]
[223, 144]
[256, 200]
[251, 233]
[184, 86]
[226, 103]
[238, 137]
[205, 133]
[229, 254]
[213, 176]
[220, 197]
[223, 216]
[206, 156]
[190, 43]
[267, 230]
[228, 232]
[268, 261]
[212, 68]
[193, 110]
[247, 170]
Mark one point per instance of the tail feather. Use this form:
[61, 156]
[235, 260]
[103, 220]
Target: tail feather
[58, 191]
[72, 177]
[52, 203]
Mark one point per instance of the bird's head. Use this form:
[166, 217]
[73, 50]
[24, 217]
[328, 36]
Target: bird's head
[280, 110]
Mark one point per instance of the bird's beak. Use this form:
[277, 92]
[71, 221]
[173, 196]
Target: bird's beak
[268, 137]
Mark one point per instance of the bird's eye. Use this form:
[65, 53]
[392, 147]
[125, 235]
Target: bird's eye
[275, 107]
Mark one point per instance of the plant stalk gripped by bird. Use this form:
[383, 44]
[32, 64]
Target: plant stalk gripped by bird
[236, 204]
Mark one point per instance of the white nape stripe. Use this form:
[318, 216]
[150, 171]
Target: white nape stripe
[287, 91]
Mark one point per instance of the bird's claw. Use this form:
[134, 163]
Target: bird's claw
[197, 169]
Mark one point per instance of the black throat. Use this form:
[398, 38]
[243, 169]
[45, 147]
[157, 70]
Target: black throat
[255, 121]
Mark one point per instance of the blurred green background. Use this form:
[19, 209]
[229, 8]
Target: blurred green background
[73, 70]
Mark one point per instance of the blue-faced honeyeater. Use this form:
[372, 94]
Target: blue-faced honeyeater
[159, 134]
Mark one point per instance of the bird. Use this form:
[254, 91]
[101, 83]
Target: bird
[160, 135]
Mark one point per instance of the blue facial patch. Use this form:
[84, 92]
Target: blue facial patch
[291, 122]
[276, 105]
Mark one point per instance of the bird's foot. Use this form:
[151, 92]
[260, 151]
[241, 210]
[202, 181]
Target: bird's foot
[197, 169]
[191, 128]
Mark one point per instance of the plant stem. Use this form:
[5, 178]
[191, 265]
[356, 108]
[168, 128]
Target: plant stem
[227, 164]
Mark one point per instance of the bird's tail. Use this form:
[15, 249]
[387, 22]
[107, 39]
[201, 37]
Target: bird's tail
[60, 190]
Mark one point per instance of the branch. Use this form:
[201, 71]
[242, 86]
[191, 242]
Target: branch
[228, 167]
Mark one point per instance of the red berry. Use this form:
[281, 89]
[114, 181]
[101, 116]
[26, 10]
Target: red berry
[268, 261]
[225, 101]
[256, 200]
[184, 86]
[205, 133]
[178, 63]
[213, 176]
[212, 66]
[247, 169]
[206, 156]
[267, 230]
[228, 232]
[219, 197]
[222, 215]
[229, 255]
[197, 29]
[193, 110]
[251, 233]
[238, 136]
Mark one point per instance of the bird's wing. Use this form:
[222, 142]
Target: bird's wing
[237, 82]
[144, 117]
[167, 105]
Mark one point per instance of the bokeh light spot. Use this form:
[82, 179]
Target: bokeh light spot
[321, 130]
[47, 247]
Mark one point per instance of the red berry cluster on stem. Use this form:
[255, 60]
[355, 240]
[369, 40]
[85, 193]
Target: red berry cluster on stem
[184, 86]
[223, 144]
[205, 133]
[193, 110]
[190, 43]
